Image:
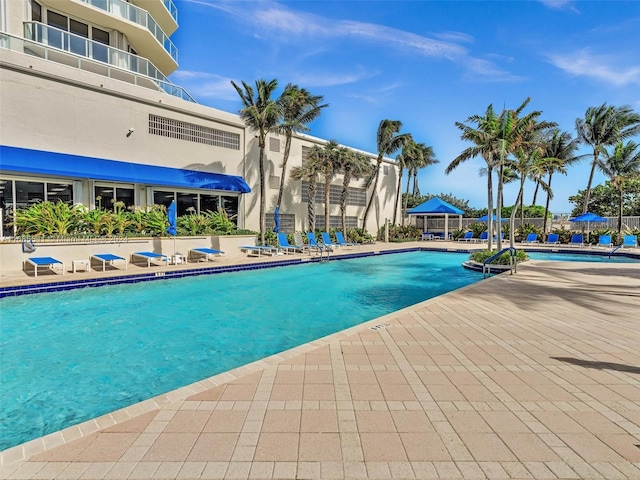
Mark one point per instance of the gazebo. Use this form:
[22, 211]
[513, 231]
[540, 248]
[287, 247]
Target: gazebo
[437, 207]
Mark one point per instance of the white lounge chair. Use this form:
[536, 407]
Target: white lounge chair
[149, 256]
[204, 253]
[107, 258]
[47, 262]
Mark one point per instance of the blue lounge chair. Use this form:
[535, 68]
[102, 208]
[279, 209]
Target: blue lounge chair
[342, 242]
[315, 245]
[468, 237]
[149, 256]
[576, 240]
[204, 253]
[552, 239]
[297, 238]
[630, 241]
[107, 258]
[259, 250]
[47, 262]
[285, 246]
[531, 238]
[484, 236]
[604, 241]
[326, 239]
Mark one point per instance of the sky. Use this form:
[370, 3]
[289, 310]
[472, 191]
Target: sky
[426, 63]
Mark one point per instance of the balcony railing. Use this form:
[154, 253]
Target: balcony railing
[172, 9]
[60, 46]
[137, 15]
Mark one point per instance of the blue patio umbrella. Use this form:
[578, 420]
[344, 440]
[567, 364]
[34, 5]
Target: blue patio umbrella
[588, 218]
[276, 220]
[172, 217]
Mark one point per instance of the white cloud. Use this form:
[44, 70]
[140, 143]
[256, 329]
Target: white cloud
[325, 79]
[287, 25]
[560, 5]
[604, 68]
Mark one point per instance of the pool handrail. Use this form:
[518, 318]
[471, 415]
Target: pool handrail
[513, 261]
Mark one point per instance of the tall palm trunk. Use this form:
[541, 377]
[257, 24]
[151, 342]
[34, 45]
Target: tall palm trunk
[499, 206]
[395, 206]
[327, 198]
[490, 206]
[416, 184]
[373, 193]
[587, 192]
[546, 207]
[263, 223]
[311, 206]
[535, 193]
[406, 196]
[512, 219]
[343, 200]
[285, 159]
[620, 209]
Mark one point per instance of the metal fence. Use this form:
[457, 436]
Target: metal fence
[558, 221]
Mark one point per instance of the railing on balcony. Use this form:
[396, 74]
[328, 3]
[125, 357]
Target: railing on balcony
[172, 9]
[60, 46]
[137, 15]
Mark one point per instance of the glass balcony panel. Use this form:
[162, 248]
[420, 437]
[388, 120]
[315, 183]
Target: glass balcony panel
[139, 16]
[82, 47]
[172, 9]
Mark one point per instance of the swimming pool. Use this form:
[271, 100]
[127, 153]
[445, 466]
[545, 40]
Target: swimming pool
[70, 356]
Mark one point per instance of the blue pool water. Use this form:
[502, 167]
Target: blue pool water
[577, 257]
[70, 356]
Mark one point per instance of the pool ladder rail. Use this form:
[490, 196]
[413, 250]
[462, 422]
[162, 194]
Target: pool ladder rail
[513, 261]
[614, 251]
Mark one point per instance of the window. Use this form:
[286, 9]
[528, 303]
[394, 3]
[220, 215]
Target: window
[168, 127]
[385, 170]
[230, 205]
[6, 204]
[60, 192]
[335, 221]
[287, 222]
[187, 203]
[28, 193]
[274, 144]
[36, 11]
[106, 196]
[100, 52]
[274, 182]
[356, 197]
[208, 203]
[161, 197]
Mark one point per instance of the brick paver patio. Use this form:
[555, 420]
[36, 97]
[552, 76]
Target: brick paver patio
[531, 376]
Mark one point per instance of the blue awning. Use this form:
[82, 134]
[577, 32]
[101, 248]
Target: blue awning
[22, 160]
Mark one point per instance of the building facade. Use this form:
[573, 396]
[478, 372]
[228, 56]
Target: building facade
[88, 115]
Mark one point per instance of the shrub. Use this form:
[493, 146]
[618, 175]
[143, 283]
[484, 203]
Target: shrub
[503, 259]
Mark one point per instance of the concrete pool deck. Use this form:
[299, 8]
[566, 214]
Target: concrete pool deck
[534, 375]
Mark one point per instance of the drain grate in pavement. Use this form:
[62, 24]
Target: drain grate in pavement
[380, 326]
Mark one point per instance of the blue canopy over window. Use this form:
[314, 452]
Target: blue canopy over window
[22, 160]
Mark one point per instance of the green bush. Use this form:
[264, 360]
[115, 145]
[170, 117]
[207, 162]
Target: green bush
[401, 233]
[503, 259]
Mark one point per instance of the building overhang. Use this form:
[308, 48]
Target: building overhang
[39, 162]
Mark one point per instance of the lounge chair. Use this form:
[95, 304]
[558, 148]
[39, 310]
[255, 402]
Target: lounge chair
[107, 258]
[297, 238]
[204, 253]
[531, 238]
[576, 240]
[326, 239]
[342, 242]
[552, 239]
[149, 256]
[315, 245]
[259, 250]
[604, 241]
[47, 262]
[484, 237]
[285, 246]
[468, 237]
[630, 241]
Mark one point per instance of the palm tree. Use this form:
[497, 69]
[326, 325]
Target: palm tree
[261, 113]
[562, 147]
[299, 108]
[404, 160]
[621, 165]
[328, 163]
[484, 135]
[426, 158]
[601, 127]
[389, 140]
[309, 172]
[354, 165]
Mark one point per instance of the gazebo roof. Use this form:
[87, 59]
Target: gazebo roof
[435, 206]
